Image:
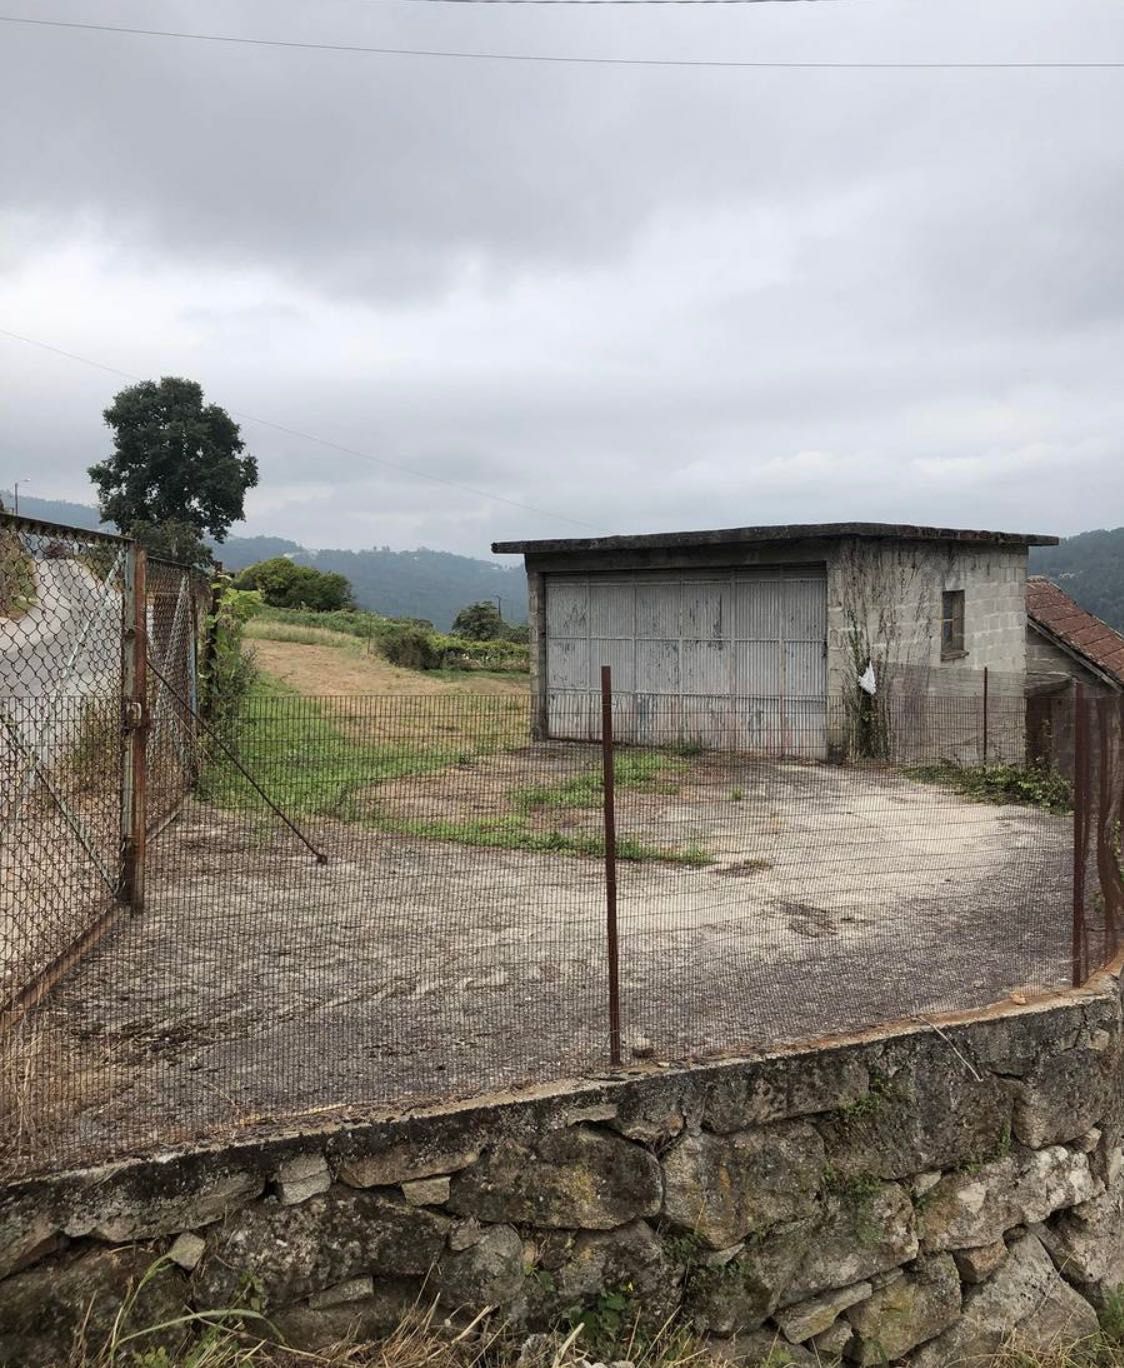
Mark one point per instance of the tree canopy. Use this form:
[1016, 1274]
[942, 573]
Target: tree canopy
[177, 465]
[479, 622]
[283, 583]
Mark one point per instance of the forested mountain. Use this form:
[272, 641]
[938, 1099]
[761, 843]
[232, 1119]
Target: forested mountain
[1090, 568]
[437, 584]
[424, 584]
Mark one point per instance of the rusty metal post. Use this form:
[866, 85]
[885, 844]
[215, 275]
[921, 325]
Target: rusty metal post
[134, 726]
[1080, 828]
[985, 716]
[610, 864]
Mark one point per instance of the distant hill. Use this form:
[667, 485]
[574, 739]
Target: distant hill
[423, 583]
[1090, 568]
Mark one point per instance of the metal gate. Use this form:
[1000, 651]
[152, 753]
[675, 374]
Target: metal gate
[729, 657]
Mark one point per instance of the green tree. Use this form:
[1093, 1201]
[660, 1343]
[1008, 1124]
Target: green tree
[177, 467]
[283, 583]
[479, 622]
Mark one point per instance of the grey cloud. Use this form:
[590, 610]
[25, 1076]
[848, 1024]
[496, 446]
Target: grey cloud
[639, 298]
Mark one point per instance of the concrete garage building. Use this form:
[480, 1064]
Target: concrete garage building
[746, 636]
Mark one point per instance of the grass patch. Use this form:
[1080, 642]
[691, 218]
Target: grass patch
[1025, 785]
[512, 832]
[324, 758]
[317, 757]
[642, 771]
[266, 629]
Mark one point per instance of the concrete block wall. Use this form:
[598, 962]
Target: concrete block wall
[919, 1193]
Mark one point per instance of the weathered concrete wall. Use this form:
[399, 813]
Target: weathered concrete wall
[883, 603]
[894, 591]
[922, 1192]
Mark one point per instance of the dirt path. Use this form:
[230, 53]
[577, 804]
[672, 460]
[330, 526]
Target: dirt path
[262, 987]
[348, 670]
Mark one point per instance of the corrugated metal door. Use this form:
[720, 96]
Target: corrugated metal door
[717, 657]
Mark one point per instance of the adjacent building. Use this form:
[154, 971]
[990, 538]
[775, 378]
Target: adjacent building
[1065, 646]
[763, 637]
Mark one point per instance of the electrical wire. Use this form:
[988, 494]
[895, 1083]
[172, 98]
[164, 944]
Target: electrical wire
[319, 441]
[565, 60]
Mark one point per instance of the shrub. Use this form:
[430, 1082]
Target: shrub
[411, 647]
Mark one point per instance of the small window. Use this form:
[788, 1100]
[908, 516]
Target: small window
[952, 624]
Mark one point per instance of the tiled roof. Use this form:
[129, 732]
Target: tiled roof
[1053, 609]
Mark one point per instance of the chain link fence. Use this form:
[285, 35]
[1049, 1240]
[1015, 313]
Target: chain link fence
[361, 903]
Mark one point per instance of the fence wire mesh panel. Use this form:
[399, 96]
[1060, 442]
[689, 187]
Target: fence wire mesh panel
[366, 903]
[908, 877]
[1098, 871]
[60, 751]
[176, 608]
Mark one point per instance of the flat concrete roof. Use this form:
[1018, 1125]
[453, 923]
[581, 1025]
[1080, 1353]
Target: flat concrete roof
[787, 532]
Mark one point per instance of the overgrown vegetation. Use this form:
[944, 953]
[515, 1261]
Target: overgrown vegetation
[409, 643]
[17, 576]
[1027, 785]
[243, 1338]
[228, 674]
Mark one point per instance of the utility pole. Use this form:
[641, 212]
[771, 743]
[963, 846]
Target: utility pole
[16, 493]
[499, 604]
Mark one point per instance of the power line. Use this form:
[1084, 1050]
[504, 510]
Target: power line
[320, 441]
[560, 59]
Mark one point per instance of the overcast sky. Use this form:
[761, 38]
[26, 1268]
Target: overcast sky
[636, 298]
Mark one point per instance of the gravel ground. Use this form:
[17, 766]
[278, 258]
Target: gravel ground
[260, 985]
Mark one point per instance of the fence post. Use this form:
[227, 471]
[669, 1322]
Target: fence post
[610, 864]
[134, 726]
[985, 716]
[1080, 827]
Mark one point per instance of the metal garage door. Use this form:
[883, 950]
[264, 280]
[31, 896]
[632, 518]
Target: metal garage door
[722, 658]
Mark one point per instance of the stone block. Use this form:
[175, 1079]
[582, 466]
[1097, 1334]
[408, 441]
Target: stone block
[302, 1177]
[1026, 1301]
[805, 1320]
[966, 1210]
[187, 1250]
[488, 1272]
[312, 1329]
[295, 1252]
[741, 1293]
[908, 1312]
[857, 1236]
[632, 1257]
[977, 1265]
[406, 1162]
[780, 1089]
[427, 1191]
[573, 1179]
[831, 1345]
[723, 1188]
[124, 1213]
[1087, 1242]
[930, 1112]
[355, 1289]
[43, 1308]
[1066, 1093]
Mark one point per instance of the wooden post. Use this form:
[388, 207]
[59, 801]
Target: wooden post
[610, 865]
[134, 726]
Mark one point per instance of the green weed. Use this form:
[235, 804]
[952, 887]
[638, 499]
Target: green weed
[643, 771]
[1027, 785]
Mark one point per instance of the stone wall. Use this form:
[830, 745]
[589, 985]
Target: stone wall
[919, 1193]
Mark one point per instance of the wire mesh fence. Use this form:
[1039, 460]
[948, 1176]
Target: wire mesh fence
[359, 903]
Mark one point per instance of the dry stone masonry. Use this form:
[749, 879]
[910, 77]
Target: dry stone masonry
[920, 1196]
